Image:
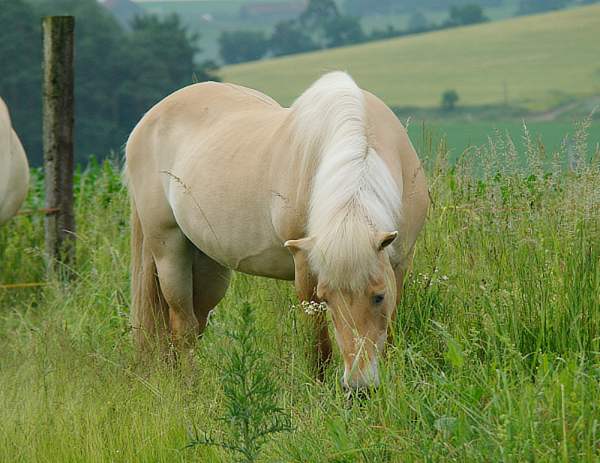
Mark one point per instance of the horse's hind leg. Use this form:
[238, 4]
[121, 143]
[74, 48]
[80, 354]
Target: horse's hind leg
[211, 281]
[173, 256]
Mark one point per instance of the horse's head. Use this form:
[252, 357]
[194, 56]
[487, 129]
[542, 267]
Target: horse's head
[360, 295]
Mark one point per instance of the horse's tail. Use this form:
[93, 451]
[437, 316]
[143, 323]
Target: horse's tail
[149, 310]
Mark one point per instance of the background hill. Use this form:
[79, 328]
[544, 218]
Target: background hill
[536, 62]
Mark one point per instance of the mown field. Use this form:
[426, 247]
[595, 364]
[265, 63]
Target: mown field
[495, 355]
[536, 62]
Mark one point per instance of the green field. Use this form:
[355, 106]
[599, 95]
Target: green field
[495, 355]
[536, 62]
[460, 135]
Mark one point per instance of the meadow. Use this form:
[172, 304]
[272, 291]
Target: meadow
[495, 354]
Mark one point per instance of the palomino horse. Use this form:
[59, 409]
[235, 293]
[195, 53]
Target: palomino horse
[328, 192]
[14, 170]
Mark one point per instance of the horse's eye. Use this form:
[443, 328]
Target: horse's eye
[378, 299]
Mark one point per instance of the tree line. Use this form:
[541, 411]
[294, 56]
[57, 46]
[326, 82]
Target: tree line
[119, 74]
[387, 7]
[383, 7]
[322, 25]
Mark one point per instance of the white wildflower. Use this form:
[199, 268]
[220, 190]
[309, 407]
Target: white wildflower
[312, 307]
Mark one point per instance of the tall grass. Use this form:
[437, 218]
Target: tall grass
[495, 356]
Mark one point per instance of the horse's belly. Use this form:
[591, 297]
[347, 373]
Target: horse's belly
[271, 263]
[238, 240]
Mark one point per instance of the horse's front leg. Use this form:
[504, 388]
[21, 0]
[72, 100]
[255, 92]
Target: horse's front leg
[306, 290]
[321, 348]
[322, 344]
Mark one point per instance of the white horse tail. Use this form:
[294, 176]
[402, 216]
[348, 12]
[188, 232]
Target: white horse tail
[149, 310]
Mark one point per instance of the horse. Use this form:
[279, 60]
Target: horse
[14, 169]
[328, 193]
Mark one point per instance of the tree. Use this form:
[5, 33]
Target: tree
[20, 79]
[160, 59]
[119, 75]
[343, 30]
[370, 7]
[387, 33]
[319, 26]
[539, 6]
[98, 65]
[449, 100]
[169, 43]
[464, 15]
[318, 13]
[330, 28]
[386, 7]
[240, 46]
[289, 38]
[417, 22]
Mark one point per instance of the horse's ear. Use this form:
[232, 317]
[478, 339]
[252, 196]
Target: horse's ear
[384, 239]
[303, 244]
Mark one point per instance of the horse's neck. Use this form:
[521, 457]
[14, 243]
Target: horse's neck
[290, 180]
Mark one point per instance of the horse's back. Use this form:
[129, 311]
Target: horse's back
[203, 101]
[14, 169]
[204, 107]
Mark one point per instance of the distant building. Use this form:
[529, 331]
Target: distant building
[123, 10]
[272, 10]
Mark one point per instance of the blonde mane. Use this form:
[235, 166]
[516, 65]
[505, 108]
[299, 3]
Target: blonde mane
[353, 194]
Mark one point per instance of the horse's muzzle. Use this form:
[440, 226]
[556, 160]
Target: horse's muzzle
[368, 378]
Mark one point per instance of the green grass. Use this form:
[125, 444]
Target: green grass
[495, 356]
[543, 60]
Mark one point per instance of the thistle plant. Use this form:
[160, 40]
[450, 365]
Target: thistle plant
[251, 413]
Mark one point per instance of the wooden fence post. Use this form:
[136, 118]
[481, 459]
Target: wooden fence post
[58, 120]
